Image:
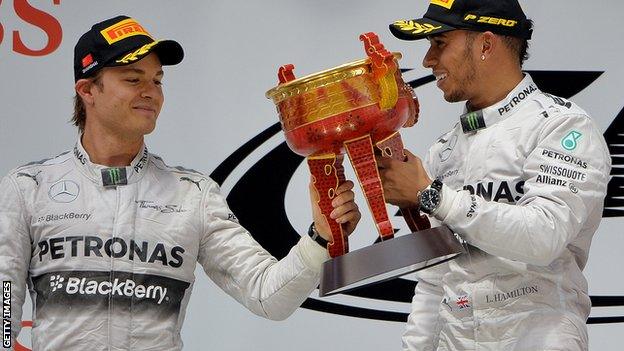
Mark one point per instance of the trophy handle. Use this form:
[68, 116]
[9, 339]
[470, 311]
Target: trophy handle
[392, 147]
[328, 173]
[363, 160]
[414, 109]
[285, 73]
[383, 66]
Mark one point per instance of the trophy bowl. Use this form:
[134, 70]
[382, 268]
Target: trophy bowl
[322, 111]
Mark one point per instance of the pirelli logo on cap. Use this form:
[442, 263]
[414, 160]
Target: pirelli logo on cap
[444, 3]
[122, 30]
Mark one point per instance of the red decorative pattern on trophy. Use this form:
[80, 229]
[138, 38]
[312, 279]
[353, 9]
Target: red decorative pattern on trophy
[360, 151]
[351, 108]
[392, 147]
[328, 173]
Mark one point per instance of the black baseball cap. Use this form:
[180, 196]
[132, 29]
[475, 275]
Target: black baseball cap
[120, 41]
[503, 17]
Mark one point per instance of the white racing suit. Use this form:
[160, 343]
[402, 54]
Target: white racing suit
[112, 267]
[524, 186]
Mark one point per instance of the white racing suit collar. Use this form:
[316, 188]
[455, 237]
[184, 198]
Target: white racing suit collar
[111, 176]
[472, 121]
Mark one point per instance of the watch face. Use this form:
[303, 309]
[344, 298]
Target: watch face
[429, 199]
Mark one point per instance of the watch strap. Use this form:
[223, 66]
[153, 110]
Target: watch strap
[436, 184]
[314, 234]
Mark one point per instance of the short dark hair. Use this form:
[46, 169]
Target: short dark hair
[79, 118]
[519, 46]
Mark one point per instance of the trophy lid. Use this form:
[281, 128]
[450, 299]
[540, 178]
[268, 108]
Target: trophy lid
[322, 78]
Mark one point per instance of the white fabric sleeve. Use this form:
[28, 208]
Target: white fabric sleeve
[247, 272]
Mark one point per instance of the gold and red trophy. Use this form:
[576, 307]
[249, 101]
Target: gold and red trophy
[358, 108]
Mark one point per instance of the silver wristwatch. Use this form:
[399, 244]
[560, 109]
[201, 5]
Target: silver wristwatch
[431, 197]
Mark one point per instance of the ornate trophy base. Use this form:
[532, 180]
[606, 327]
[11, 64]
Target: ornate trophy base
[388, 259]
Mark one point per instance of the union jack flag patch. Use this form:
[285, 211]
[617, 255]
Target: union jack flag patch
[462, 302]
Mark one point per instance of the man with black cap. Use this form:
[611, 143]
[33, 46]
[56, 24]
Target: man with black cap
[520, 178]
[108, 236]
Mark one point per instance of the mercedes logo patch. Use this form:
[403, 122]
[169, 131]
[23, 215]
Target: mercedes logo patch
[448, 150]
[64, 191]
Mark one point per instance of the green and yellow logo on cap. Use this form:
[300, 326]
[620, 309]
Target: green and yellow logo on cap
[444, 3]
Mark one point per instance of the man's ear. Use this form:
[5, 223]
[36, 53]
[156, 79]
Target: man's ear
[84, 89]
[488, 43]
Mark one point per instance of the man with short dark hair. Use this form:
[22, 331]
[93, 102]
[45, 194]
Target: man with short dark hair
[521, 178]
[108, 236]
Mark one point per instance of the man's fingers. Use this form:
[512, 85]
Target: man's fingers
[344, 197]
[383, 162]
[350, 218]
[409, 155]
[350, 221]
[342, 210]
[345, 186]
[382, 172]
[411, 158]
